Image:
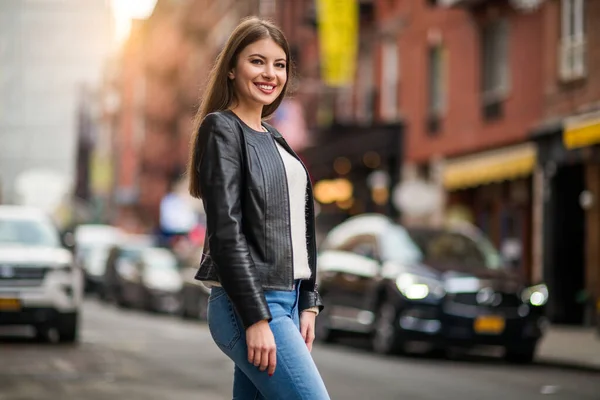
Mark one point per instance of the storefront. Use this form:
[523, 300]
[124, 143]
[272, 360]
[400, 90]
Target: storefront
[569, 163]
[492, 190]
[353, 169]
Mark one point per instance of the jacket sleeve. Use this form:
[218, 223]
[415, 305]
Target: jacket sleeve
[309, 296]
[309, 299]
[221, 180]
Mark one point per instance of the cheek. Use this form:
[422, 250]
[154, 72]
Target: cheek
[282, 78]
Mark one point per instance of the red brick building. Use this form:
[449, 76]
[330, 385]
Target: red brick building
[568, 178]
[126, 84]
[471, 90]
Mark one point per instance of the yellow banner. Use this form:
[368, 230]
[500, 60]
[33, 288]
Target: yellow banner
[338, 40]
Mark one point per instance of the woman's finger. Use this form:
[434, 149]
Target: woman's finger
[272, 361]
[304, 331]
[264, 360]
[310, 339]
[257, 358]
[250, 355]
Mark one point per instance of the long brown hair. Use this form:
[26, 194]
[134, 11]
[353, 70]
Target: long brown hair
[220, 94]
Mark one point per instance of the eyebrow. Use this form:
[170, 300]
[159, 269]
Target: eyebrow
[264, 58]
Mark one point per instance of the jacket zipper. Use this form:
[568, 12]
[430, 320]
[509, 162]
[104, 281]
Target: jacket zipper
[287, 190]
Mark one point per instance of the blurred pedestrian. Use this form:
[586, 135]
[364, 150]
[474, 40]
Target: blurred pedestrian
[260, 251]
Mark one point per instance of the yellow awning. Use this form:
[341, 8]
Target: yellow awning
[582, 131]
[493, 166]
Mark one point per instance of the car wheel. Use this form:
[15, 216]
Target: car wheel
[42, 334]
[385, 339]
[323, 331]
[520, 355]
[68, 327]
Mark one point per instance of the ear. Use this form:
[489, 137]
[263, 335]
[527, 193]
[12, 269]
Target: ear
[231, 75]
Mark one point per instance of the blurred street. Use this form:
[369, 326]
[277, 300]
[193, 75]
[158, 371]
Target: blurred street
[129, 355]
[453, 153]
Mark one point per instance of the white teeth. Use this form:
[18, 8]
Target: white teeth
[265, 87]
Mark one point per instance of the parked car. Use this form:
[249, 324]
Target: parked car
[444, 287]
[94, 266]
[93, 241]
[161, 280]
[40, 285]
[120, 269]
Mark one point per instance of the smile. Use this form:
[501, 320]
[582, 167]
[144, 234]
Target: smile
[265, 88]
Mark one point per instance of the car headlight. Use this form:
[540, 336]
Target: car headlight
[415, 287]
[535, 295]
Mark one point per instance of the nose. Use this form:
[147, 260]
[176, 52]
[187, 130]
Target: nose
[269, 72]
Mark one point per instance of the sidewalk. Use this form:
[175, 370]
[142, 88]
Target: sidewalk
[570, 346]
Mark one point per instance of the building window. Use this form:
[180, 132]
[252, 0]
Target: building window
[436, 88]
[572, 40]
[389, 80]
[494, 63]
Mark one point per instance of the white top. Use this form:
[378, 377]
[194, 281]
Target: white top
[296, 182]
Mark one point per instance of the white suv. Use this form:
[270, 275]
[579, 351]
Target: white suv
[40, 285]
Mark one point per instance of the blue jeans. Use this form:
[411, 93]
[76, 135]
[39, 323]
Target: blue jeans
[296, 375]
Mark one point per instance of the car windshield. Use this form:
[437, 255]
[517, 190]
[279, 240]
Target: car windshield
[27, 232]
[451, 249]
[397, 245]
[160, 260]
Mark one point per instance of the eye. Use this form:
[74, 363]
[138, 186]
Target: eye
[280, 65]
[256, 61]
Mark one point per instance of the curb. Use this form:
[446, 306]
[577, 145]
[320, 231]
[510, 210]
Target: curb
[574, 365]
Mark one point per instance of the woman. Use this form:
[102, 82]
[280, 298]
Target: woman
[260, 250]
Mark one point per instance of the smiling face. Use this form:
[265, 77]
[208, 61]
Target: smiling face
[260, 73]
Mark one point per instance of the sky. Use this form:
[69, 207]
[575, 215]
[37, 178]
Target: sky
[126, 10]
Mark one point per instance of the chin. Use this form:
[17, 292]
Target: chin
[267, 101]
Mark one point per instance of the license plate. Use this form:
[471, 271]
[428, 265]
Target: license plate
[489, 324]
[10, 304]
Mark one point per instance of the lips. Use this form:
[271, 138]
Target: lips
[266, 88]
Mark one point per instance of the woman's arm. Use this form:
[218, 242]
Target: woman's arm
[221, 180]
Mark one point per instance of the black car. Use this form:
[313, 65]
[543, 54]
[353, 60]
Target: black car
[447, 287]
[121, 269]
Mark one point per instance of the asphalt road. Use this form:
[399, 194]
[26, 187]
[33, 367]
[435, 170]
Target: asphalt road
[131, 355]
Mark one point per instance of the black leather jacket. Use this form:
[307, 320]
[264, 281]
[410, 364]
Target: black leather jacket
[248, 247]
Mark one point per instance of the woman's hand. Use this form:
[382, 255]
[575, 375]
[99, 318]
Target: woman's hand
[307, 328]
[262, 351]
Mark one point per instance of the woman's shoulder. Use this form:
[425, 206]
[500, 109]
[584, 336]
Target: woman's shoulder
[218, 117]
[219, 121]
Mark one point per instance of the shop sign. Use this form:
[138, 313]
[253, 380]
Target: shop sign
[582, 131]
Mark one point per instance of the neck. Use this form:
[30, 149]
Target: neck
[251, 115]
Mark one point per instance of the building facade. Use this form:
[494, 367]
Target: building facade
[568, 177]
[471, 91]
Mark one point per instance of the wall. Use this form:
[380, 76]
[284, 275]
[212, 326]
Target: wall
[463, 129]
[563, 99]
